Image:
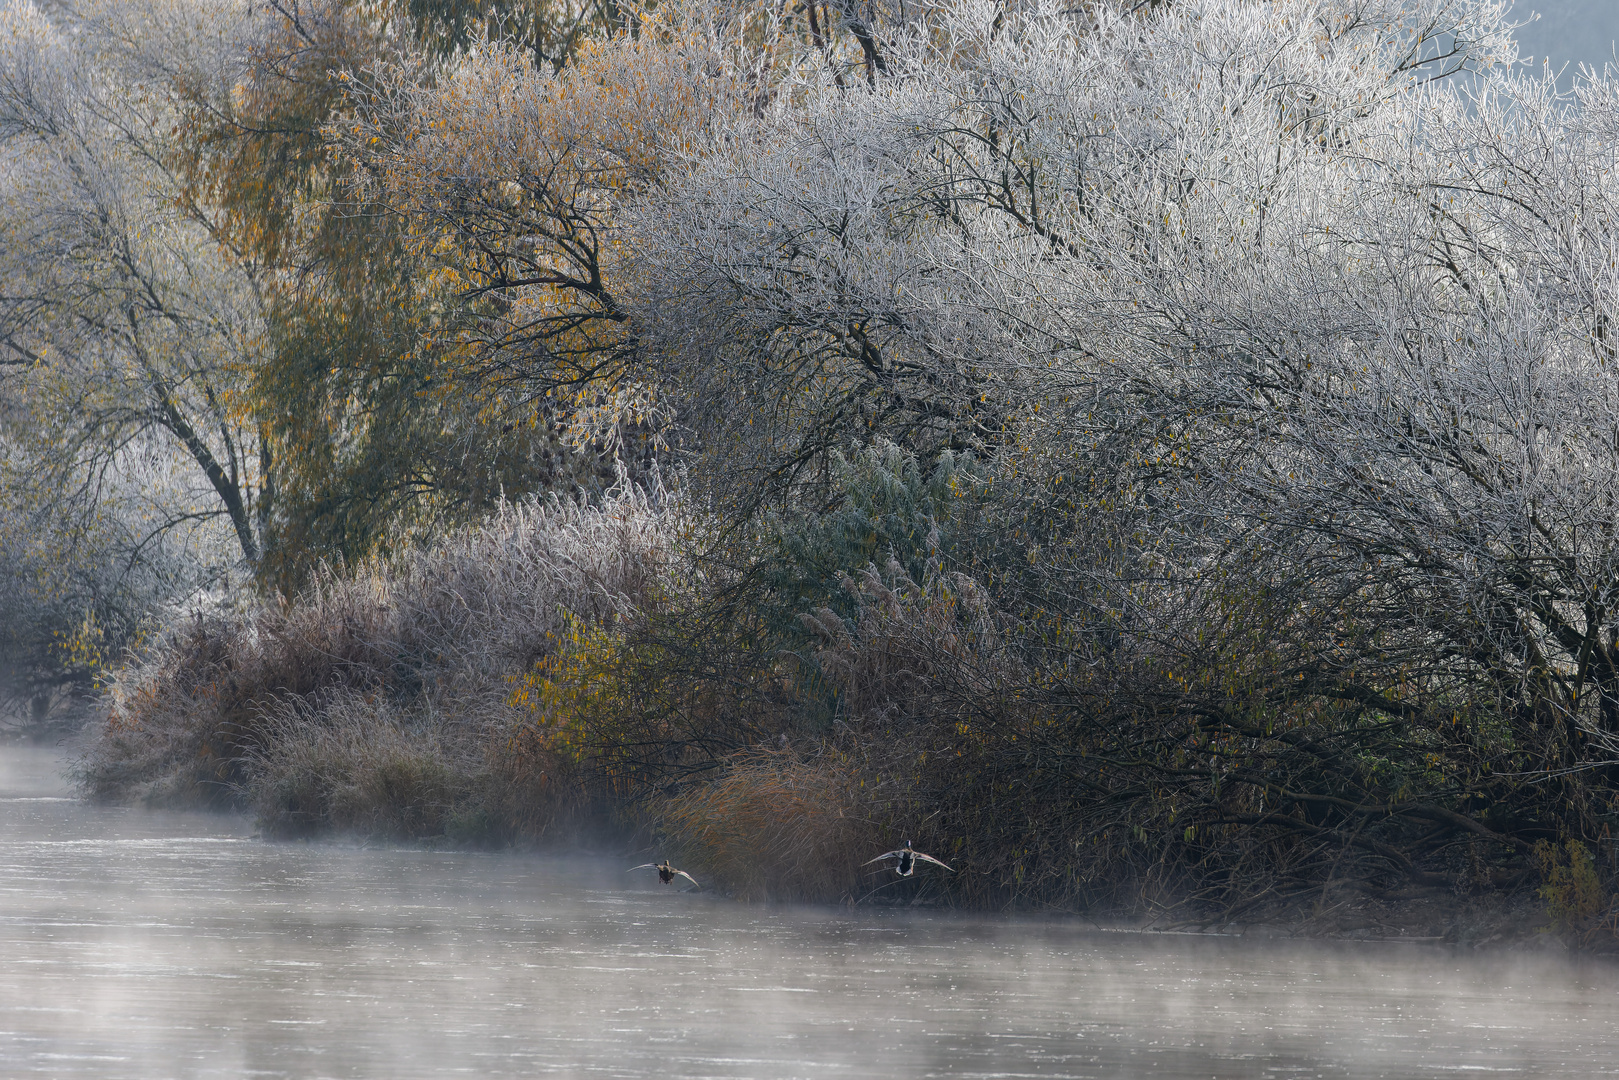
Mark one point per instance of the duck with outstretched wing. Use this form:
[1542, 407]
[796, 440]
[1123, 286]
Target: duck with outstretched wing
[907, 860]
[666, 873]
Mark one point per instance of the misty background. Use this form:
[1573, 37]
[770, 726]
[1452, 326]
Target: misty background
[1568, 33]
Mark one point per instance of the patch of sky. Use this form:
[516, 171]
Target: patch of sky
[1567, 34]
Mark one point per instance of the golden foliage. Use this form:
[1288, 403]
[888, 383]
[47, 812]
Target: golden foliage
[1573, 891]
[508, 180]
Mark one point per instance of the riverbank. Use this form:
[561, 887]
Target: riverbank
[70, 725]
[574, 675]
[1515, 922]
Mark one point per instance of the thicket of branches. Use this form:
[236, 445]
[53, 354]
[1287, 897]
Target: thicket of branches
[1145, 454]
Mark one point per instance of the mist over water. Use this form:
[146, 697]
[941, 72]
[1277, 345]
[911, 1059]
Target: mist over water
[144, 945]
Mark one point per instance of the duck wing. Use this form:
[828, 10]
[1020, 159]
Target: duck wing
[884, 855]
[644, 866]
[688, 877]
[935, 862]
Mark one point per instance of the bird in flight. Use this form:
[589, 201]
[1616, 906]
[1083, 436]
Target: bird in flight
[907, 860]
[666, 873]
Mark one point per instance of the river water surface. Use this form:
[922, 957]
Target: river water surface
[156, 945]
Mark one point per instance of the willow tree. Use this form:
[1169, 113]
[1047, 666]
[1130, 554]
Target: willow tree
[518, 186]
[509, 181]
[367, 440]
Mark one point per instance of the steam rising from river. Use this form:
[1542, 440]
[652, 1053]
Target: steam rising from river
[142, 944]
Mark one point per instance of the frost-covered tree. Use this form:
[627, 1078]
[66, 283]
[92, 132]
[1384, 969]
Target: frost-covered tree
[510, 181]
[131, 476]
[1265, 315]
[872, 264]
[123, 323]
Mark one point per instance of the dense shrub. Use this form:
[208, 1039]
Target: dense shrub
[380, 699]
[566, 671]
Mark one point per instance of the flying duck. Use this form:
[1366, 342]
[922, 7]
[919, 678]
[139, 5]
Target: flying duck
[666, 873]
[907, 860]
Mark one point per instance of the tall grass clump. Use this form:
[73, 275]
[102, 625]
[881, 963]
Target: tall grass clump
[776, 824]
[380, 700]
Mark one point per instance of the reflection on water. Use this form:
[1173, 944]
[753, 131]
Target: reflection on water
[141, 944]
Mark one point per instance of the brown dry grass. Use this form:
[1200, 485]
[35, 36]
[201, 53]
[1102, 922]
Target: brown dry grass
[776, 827]
[359, 766]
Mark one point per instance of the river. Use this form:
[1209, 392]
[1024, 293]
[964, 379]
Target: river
[145, 944]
